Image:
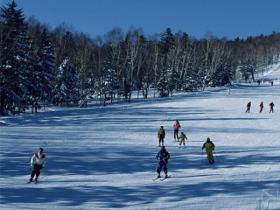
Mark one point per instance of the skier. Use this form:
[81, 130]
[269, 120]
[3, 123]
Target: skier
[248, 107]
[176, 127]
[209, 147]
[37, 162]
[271, 107]
[183, 139]
[161, 136]
[261, 107]
[259, 82]
[163, 157]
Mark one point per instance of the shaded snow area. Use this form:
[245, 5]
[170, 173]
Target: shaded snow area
[104, 158]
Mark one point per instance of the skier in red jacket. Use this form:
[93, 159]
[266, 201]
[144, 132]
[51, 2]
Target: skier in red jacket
[176, 127]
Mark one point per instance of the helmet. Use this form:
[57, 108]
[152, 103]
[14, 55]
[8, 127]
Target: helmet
[208, 139]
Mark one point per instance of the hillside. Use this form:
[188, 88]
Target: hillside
[104, 158]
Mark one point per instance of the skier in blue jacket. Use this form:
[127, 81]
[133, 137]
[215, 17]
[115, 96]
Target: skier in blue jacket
[163, 157]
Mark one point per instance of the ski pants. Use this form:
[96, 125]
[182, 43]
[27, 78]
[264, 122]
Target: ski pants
[162, 165]
[36, 171]
[161, 140]
[176, 131]
[210, 155]
[182, 141]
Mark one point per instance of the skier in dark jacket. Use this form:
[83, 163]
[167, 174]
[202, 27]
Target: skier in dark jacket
[161, 136]
[37, 162]
[248, 107]
[163, 157]
[209, 147]
[271, 107]
[261, 107]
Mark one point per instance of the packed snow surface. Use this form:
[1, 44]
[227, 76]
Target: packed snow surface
[104, 157]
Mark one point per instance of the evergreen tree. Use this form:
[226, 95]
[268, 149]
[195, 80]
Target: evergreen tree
[166, 68]
[67, 87]
[16, 59]
[45, 65]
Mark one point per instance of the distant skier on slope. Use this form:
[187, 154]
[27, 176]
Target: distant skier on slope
[183, 139]
[261, 107]
[248, 107]
[209, 147]
[37, 162]
[163, 157]
[161, 136]
[176, 127]
[271, 107]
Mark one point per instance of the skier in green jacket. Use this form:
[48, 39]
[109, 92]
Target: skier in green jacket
[161, 136]
[209, 147]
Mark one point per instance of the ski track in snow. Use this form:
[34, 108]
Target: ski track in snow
[104, 157]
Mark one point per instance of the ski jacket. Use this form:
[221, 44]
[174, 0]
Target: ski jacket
[271, 104]
[163, 155]
[209, 146]
[176, 125]
[161, 133]
[38, 159]
[182, 137]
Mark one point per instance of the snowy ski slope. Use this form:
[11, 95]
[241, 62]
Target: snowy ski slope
[104, 157]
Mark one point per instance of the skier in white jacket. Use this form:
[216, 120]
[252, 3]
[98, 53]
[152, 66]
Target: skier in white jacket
[37, 162]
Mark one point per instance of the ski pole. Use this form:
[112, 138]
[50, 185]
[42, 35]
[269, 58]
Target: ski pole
[201, 155]
[215, 156]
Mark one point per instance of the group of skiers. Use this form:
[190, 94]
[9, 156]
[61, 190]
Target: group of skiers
[180, 138]
[38, 159]
[271, 105]
[163, 155]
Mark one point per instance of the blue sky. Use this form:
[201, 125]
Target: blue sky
[229, 18]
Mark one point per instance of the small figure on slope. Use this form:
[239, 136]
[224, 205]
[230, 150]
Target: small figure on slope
[37, 162]
[209, 147]
[248, 107]
[183, 139]
[163, 157]
[261, 107]
[271, 107]
[176, 127]
[161, 136]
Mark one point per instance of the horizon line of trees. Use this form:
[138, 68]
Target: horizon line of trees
[64, 67]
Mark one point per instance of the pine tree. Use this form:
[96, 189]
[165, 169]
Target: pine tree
[16, 59]
[45, 64]
[67, 86]
[166, 82]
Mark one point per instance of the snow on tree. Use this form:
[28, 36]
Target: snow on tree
[67, 85]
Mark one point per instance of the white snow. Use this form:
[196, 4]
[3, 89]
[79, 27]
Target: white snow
[272, 73]
[104, 157]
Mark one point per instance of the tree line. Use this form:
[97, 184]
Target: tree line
[64, 67]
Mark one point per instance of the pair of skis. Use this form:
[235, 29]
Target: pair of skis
[161, 178]
[36, 182]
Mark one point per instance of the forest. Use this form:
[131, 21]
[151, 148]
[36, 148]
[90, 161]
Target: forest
[64, 67]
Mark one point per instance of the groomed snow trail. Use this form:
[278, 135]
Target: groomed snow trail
[104, 157]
